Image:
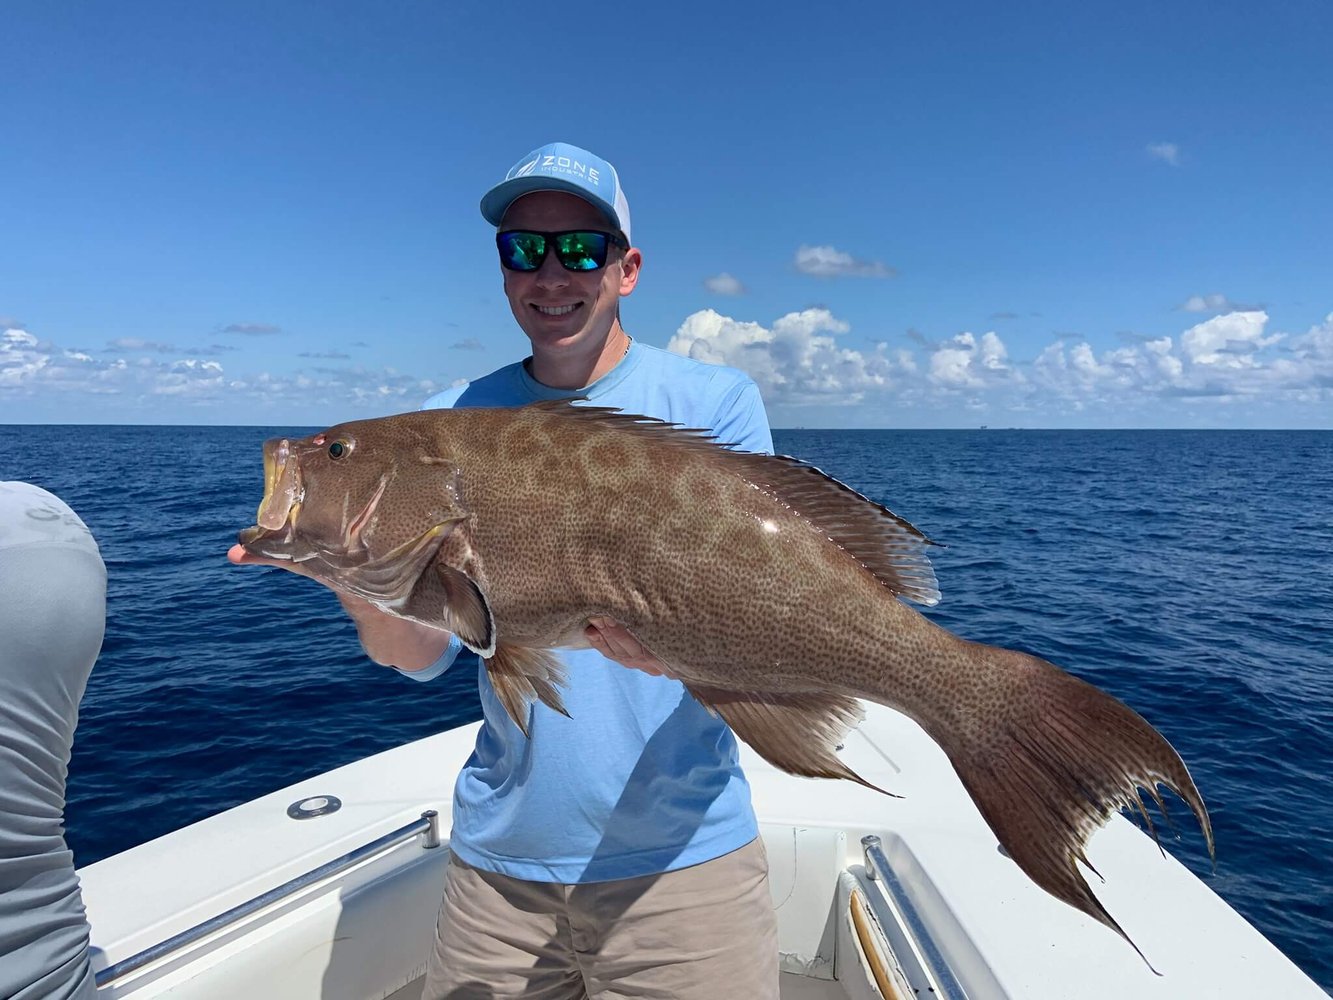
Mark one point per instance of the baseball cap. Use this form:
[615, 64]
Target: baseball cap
[559, 166]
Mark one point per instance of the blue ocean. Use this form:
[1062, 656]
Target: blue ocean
[1190, 573]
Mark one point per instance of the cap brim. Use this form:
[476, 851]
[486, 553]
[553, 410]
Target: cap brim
[498, 199]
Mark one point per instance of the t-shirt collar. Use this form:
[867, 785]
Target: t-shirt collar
[603, 385]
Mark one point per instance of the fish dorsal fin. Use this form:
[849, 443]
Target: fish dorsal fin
[888, 546]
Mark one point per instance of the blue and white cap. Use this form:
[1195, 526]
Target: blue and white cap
[558, 166]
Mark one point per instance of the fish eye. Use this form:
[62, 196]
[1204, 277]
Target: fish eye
[338, 449]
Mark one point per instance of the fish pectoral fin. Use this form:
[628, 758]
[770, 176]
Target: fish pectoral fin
[521, 675]
[466, 612]
[797, 733]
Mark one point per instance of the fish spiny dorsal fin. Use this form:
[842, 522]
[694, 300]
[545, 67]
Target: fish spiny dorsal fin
[890, 548]
[797, 733]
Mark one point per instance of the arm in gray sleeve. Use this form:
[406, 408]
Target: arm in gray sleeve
[52, 615]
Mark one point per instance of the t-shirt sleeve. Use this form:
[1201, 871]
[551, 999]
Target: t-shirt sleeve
[445, 661]
[741, 421]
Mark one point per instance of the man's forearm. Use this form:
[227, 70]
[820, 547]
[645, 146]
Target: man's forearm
[392, 641]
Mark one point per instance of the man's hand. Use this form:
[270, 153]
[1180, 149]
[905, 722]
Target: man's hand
[388, 640]
[618, 643]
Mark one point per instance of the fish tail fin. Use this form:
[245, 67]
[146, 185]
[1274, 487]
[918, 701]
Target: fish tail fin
[1048, 760]
[520, 676]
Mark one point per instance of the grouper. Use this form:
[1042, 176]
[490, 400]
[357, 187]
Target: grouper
[774, 593]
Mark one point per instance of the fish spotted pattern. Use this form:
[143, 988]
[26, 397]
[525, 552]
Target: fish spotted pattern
[773, 592]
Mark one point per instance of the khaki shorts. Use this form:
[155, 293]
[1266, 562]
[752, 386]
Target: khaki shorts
[707, 931]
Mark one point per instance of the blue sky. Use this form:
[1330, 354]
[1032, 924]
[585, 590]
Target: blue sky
[903, 215]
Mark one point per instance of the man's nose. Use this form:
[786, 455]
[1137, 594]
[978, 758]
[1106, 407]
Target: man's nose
[552, 273]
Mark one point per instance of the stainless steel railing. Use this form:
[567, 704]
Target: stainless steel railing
[894, 907]
[427, 827]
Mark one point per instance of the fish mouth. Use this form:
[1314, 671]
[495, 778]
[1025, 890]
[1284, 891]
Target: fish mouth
[275, 522]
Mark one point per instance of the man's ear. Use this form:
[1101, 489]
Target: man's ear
[630, 264]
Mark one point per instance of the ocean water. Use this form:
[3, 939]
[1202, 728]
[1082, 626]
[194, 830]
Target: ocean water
[1190, 573]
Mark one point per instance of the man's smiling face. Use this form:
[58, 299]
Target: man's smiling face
[566, 313]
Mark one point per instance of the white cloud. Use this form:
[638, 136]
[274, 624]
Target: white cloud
[724, 284]
[1233, 363]
[1214, 303]
[1226, 361]
[1204, 303]
[1167, 152]
[1158, 355]
[828, 262]
[139, 344]
[796, 360]
[20, 357]
[1228, 340]
[1316, 346]
[965, 362]
[33, 371]
[252, 329]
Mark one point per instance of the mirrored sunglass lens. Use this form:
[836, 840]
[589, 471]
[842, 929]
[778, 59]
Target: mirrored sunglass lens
[522, 251]
[581, 251]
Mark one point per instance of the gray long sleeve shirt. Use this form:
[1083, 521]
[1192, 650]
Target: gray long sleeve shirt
[52, 615]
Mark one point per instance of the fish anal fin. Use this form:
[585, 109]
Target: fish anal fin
[797, 733]
[521, 675]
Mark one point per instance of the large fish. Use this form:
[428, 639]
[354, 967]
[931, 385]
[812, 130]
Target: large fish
[769, 589]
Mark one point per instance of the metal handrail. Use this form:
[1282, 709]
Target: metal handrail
[934, 965]
[428, 826]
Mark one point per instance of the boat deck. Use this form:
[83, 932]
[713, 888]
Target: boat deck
[364, 931]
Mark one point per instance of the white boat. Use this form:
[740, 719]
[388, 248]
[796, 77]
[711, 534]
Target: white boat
[329, 889]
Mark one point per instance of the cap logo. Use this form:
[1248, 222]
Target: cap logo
[552, 164]
[526, 168]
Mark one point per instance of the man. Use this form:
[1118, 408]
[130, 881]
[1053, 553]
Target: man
[614, 853]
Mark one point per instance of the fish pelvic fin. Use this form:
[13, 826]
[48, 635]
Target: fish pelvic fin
[1049, 767]
[798, 733]
[521, 675]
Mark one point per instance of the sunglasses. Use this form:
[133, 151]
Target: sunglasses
[576, 249]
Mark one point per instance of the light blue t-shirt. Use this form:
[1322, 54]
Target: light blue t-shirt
[640, 778]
